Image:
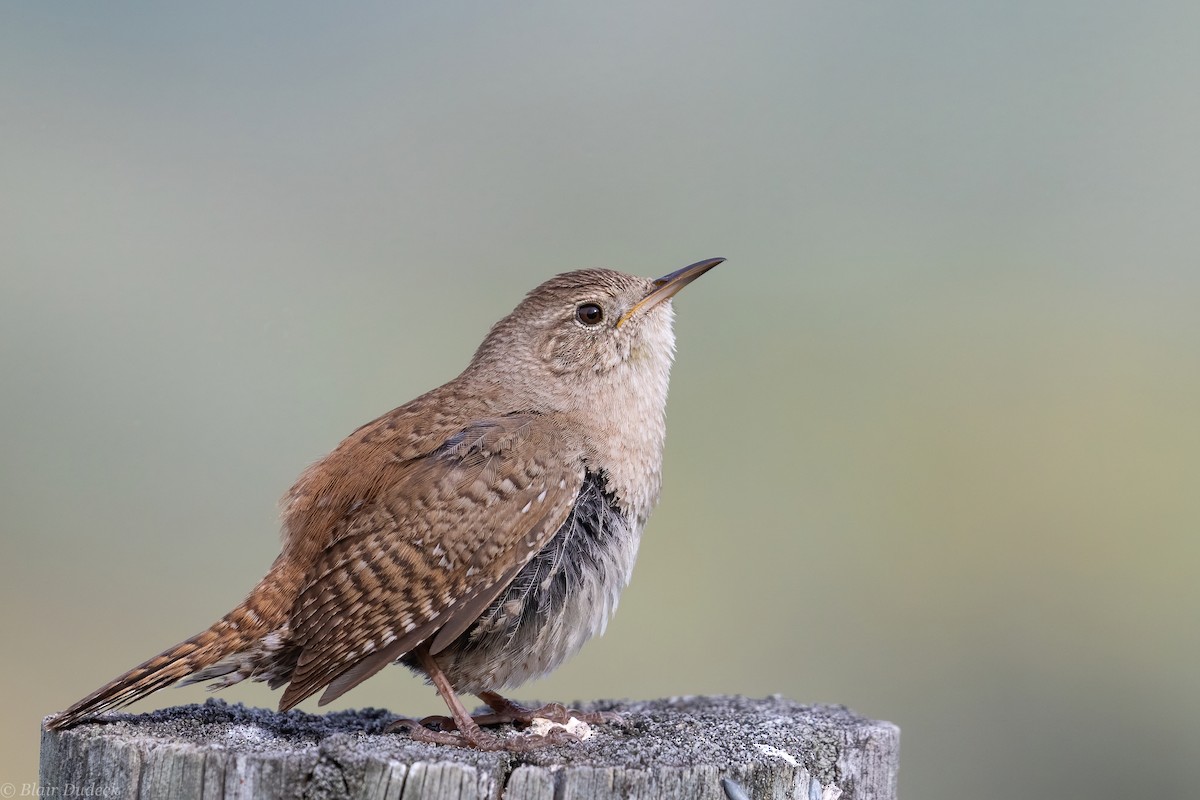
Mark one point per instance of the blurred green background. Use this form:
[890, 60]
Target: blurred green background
[934, 429]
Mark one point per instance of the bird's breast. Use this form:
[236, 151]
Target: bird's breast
[558, 601]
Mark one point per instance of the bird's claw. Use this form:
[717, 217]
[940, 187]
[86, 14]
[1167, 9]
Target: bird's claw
[476, 739]
[506, 710]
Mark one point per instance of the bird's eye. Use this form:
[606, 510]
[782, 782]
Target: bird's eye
[589, 314]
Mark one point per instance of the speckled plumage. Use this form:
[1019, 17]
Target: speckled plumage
[561, 598]
[492, 522]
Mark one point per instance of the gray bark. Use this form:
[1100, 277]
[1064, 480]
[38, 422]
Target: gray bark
[707, 748]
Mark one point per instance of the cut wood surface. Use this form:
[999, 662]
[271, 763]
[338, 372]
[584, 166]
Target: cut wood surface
[707, 748]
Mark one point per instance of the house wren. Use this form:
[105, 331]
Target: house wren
[479, 534]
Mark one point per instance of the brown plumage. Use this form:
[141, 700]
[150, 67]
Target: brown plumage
[479, 533]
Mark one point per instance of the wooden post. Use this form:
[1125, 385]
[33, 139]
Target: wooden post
[699, 748]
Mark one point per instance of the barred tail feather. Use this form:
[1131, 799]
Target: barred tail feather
[263, 611]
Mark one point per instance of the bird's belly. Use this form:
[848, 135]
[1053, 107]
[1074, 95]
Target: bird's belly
[558, 601]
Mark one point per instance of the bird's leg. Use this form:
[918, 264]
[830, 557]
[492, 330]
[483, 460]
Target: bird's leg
[469, 733]
[506, 710]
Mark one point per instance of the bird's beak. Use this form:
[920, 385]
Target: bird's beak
[668, 286]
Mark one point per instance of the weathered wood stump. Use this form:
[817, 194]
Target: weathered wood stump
[705, 748]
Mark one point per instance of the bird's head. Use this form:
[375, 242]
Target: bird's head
[582, 336]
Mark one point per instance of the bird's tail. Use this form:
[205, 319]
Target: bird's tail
[264, 610]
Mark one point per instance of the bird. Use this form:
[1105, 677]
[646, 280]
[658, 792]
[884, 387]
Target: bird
[479, 534]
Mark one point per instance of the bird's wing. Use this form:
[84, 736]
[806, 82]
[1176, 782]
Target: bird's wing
[430, 550]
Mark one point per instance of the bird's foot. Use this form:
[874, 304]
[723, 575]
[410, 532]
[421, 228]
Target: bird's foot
[475, 738]
[461, 730]
[505, 710]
